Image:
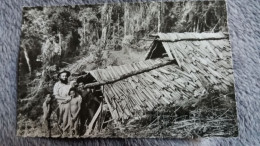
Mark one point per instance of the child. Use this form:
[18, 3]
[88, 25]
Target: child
[75, 105]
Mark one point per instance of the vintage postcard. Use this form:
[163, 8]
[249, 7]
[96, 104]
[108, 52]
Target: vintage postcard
[129, 70]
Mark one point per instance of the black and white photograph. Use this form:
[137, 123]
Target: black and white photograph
[126, 70]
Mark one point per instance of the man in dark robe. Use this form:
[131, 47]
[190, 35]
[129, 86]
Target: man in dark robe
[84, 112]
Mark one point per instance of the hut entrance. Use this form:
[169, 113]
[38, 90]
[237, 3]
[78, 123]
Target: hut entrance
[93, 111]
[158, 51]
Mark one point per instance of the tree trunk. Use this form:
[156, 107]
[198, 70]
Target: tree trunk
[84, 31]
[59, 39]
[118, 25]
[113, 35]
[106, 19]
[126, 14]
[27, 59]
[159, 17]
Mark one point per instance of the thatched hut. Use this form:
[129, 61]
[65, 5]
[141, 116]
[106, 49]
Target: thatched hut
[178, 66]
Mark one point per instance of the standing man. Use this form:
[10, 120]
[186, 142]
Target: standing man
[84, 113]
[60, 92]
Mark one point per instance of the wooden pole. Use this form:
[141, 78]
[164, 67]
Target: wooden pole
[93, 120]
[129, 74]
[178, 40]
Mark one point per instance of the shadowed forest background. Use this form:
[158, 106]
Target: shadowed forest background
[95, 36]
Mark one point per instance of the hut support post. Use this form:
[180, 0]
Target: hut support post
[94, 119]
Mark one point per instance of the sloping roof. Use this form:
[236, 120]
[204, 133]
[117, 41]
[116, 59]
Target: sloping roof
[202, 60]
[114, 73]
[206, 56]
[144, 91]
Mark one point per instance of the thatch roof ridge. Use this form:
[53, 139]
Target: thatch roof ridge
[189, 36]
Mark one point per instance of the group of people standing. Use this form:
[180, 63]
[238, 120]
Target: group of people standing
[74, 105]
